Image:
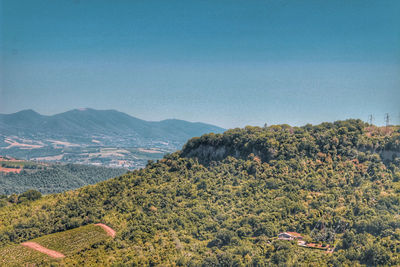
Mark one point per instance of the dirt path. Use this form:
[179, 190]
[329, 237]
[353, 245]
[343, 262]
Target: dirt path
[49, 252]
[108, 229]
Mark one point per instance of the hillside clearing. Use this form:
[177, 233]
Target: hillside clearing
[37, 247]
[17, 255]
[74, 240]
[55, 247]
[109, 230]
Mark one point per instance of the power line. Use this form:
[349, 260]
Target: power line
[399, 119]
[370, 119]
[387, 119]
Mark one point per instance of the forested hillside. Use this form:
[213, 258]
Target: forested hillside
[54, 178]
[224, 198]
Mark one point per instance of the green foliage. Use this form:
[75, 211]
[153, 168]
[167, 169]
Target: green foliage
[55, 178]
[29, 196]
[223, 199]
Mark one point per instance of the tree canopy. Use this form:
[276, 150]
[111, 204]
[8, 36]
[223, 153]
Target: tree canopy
[224, 198]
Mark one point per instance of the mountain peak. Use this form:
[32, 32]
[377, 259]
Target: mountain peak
[83, 109]
[27, 112]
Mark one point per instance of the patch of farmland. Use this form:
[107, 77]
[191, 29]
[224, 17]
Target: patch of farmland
[74, 240]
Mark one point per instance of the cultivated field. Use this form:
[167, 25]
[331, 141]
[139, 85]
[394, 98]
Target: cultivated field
[68, 243]
[73, 241]
[17, 255]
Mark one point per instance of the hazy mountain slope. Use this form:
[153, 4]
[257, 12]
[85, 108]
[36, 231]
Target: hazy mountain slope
[224, 198]
[20, 123]
[84, 124]
[181, 129]
[95, 122]
[87, 136]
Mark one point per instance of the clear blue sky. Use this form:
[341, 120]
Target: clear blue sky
[230, 63]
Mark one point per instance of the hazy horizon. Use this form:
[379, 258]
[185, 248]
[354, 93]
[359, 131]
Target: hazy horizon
[392, 120]
[225, 63]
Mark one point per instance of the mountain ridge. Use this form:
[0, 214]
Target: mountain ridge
[90, 136]
[79, 123]
[34, 112]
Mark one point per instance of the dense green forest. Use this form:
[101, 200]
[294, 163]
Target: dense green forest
[223, 199]
[54, 178]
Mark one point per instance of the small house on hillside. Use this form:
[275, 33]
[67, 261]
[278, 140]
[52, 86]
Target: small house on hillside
[299, 238]
[290, 236]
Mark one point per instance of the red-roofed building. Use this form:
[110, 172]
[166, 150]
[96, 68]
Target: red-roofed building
[290, 236]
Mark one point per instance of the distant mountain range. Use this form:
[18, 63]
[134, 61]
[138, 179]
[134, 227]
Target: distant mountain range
[30, 135]
[84, 125]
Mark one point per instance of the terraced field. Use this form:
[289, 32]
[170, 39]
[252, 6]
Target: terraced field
[17, 255]
[68, 243]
